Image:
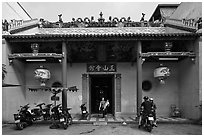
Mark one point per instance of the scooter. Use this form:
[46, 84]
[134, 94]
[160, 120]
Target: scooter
[46, 112]
[23, 118]
[84, 112]
[147, 122]
[37, 113]
[65, 117]
[55, 116]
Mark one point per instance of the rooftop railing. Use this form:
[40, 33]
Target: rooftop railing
[90, 22]
[11, 24]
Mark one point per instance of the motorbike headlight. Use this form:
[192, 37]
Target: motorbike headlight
[16, 116]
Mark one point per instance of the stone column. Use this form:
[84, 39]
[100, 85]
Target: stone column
[139, 75]
[64, 74]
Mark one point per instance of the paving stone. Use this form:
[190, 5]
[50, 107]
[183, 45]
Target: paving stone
[99, 123]
[93, 119]
[101, 119]
[111, 119]
[119, 119]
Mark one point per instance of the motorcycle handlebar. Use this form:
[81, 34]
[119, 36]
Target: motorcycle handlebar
[25, 105]
[38, 105]
[48, 105]
[57, 105]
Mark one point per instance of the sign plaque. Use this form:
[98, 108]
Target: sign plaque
[101, 68]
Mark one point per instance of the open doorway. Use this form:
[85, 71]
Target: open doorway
[101, 86]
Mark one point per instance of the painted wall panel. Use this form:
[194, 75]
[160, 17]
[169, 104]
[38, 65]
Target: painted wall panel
[128, 87]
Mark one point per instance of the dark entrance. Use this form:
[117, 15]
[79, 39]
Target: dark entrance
[101, 86]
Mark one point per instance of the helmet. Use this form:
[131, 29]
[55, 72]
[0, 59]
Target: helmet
[151, 99]
[145, 97]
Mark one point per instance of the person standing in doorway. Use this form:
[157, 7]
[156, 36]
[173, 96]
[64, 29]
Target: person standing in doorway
[101, 106]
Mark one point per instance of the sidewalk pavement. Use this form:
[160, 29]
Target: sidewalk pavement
[129, 119]
[98, 120]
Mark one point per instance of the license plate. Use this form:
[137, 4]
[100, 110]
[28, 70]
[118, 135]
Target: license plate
[150, 118]
[61, 119]
[84, 111]
[17, 121]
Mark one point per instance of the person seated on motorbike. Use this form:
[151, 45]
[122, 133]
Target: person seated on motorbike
[84, 111]
[101, 106]
[154, 110]
[146, 108]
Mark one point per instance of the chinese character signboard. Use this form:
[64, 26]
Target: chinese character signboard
[101, 67]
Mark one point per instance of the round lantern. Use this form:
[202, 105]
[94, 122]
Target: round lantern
[42, 74]
[161, 73]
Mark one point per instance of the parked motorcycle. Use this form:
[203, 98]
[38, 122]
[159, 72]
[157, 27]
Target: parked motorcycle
[65, 117]
[84, 112]
[55, 116]
[147, 122]
[23, 118]
[38, 113]
[46, 112]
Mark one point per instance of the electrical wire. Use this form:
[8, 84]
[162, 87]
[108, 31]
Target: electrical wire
[24, 10]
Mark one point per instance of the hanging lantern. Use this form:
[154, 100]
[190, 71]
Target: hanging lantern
[161, 73]
[42, 74]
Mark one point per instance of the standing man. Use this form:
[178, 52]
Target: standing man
[101, 106]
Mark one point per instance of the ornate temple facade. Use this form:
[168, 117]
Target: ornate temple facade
[118, 59]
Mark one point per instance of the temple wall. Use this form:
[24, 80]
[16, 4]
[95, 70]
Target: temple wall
[183, 85]
[12, 97]
[128, 88]
[74, 78]
[190, 84]
[164, 94]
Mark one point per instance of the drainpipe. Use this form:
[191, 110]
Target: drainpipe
[64, 74]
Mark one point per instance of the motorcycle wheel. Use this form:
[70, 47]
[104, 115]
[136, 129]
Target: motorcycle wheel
[30, 122]
[45, 118]
[149, 128]
[65, 125]
[20, 126]
[70, 121]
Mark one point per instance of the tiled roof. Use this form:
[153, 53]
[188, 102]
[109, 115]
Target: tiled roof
[188, 10]
[142, 32]
[102, 31]
[167, 12]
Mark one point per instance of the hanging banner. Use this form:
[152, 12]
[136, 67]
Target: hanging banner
[101, 68]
